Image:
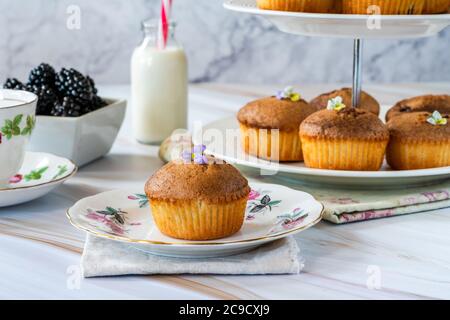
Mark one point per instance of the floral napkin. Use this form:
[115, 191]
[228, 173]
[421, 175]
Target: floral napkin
[344, 206]
[103, 257]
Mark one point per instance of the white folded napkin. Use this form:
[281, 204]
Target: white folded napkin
[103, 257]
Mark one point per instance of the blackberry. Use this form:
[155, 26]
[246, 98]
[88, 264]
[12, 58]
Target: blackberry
[71, 83]
[58, 111]
[97, 103]
[68, 108]
[13, 84]
[91, 81]
[44, 74]
[47, 98]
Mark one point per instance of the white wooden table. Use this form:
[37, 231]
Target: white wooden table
[402, 257]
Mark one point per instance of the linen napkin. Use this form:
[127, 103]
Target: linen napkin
[360, 207]
[103, 257]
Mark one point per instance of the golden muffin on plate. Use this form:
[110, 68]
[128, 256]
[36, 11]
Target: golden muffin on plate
[386, 6]
[344, 138]
[199, 199]
[427, 103]
[314, 6]
[419, 140]
[269, 126]
[367, 102]
[436, 6]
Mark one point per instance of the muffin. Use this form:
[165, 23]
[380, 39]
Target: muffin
[269, 126]
[436, 6]
[198, 201]
[428, 103]
[337, 6]
[419, 140]
[386, 6]
[317, 6]
[367, 102]
[344, 139]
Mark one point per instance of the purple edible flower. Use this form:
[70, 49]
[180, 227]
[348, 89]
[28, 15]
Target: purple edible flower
[280, 95]
[187, 156]
[200, 159]
[199, 149]
[195, 155]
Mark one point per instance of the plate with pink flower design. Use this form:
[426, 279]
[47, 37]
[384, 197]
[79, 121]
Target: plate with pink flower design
[273, 212]
[40, 174]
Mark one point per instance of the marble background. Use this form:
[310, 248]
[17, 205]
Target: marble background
[222, 46]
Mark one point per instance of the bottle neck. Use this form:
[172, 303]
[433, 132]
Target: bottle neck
[151, 34]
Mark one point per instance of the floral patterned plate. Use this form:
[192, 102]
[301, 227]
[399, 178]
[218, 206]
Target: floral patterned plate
[273, 212]
[40, 174]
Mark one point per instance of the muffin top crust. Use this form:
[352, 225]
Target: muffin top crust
[367, 102]
[274, 113]
[213, 182]
[428, 103]
[348, 123]
[417, 125]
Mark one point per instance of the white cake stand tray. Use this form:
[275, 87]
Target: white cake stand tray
[346, 25]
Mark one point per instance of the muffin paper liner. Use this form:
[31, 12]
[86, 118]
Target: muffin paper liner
[259, 143]
[342, 154]
[436, 6]
[410, 154]
[386, 6]
[198, 220]
[321, 6]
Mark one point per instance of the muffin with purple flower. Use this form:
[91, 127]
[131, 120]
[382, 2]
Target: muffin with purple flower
[269, 126]
[198, 197]
[367, 102]
[344, 138]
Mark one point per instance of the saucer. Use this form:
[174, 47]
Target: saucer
[273, 212]
[40, 174]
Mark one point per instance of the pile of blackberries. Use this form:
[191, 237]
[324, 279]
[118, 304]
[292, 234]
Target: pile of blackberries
[67, 93]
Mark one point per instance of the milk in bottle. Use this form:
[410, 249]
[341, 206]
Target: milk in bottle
[159, 80]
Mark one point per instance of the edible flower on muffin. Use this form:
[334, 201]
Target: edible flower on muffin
[288, 93]
[336, 104]
[196, 155]
[436, 119]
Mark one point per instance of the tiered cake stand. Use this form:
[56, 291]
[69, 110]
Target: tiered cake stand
[359, 28]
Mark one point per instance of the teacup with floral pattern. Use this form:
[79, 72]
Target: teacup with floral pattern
[17, 121]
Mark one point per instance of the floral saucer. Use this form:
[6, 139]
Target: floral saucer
[273, 212]
[40, 174]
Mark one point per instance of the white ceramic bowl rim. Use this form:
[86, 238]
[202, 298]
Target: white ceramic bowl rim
[20, 95]
[110, 103]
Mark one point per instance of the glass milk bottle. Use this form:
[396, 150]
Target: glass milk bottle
[159, 80]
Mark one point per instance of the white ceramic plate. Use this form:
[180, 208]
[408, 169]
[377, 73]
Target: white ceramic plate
[40, 174]
[346, 25]
[228, 148]
[273, 212]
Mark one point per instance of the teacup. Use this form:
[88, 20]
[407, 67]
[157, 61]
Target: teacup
[17, 121]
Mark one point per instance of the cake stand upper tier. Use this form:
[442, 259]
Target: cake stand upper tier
[345, 25]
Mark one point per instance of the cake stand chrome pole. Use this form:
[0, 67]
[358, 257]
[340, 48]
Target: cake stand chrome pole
[357, 72]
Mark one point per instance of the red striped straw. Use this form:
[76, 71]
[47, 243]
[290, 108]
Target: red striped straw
[164, 22]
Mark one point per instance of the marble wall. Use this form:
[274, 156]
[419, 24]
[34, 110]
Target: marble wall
[222, 46]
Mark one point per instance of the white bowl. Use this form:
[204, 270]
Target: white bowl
[81, 139]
